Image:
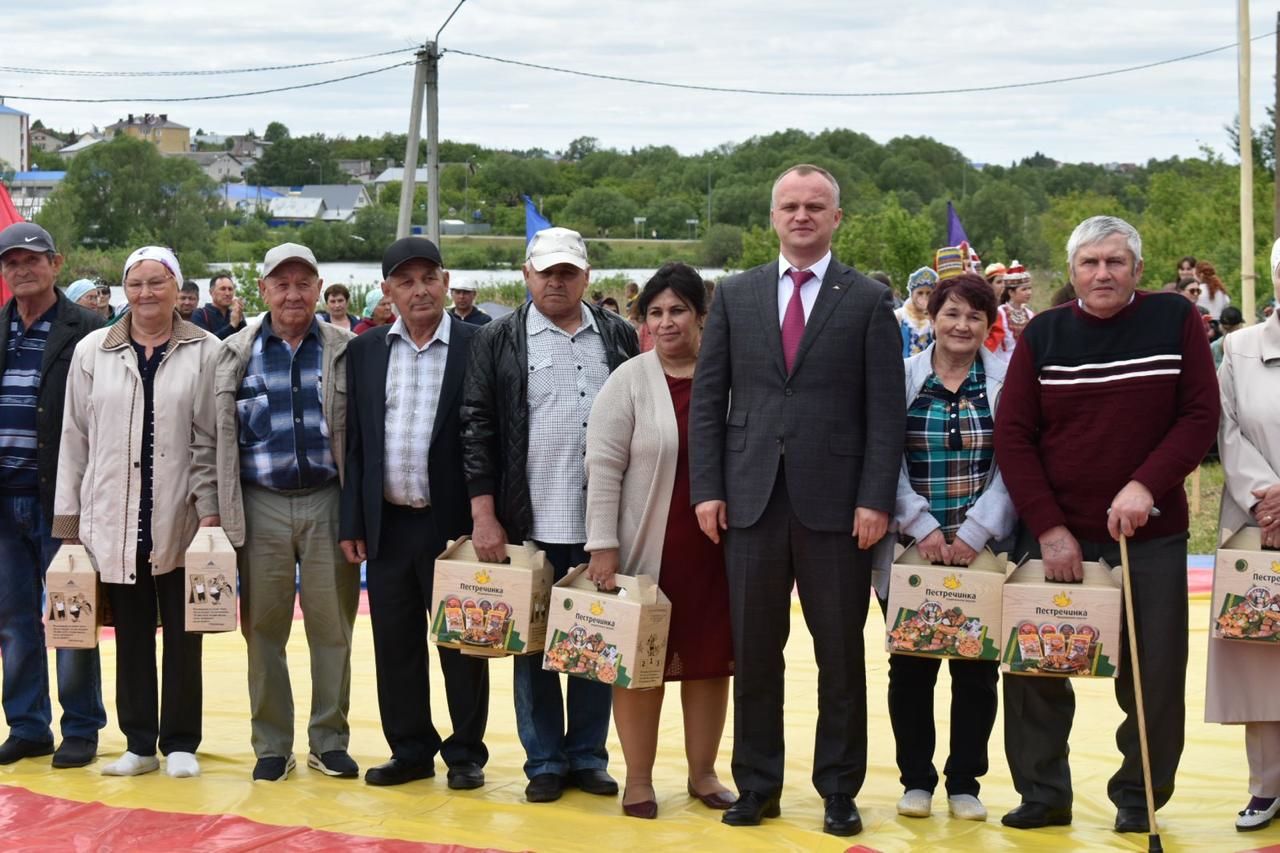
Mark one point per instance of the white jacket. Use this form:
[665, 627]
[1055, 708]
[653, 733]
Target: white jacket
[991, 518]
[99, 461]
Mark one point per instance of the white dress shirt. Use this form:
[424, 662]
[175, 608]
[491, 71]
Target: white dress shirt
[808, 291]
[414, 376]
[566, 371]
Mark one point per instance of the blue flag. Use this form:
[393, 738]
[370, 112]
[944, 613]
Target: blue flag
[533, 220]
[955, 231]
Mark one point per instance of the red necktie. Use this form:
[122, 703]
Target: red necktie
[793, 320]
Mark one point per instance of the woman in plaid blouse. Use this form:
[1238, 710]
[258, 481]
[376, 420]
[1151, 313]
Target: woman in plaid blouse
[952, 502]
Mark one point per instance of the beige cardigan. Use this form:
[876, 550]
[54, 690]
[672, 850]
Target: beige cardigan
[632, 447]
[1242, 675]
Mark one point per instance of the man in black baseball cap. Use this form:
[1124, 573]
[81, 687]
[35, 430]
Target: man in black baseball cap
[406, 249]
[39, 327]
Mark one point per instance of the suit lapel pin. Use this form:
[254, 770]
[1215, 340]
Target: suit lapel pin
[835, 287]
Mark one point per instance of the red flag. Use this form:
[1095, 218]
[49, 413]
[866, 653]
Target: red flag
[8, 216]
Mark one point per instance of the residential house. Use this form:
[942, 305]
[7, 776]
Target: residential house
[14, 127]
[221, 166]
[246, 197]
[397, 174]
[295, 210]
[341, 201]
[169, 136]
[249, 146]
[45, 141]
[360, 170]
[86, 140]
[30, 191]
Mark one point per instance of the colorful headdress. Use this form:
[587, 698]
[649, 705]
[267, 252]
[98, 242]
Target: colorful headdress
[1016, 274]
[951, 261]
[923, 277]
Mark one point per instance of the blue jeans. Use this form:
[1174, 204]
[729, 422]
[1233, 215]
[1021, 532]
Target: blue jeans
[540, 709]
[26, 548]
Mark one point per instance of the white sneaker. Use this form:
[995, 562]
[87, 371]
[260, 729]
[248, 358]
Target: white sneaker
[1251, 819]
[966, 807]
[132, 765]
[916, 803]
[181, 765]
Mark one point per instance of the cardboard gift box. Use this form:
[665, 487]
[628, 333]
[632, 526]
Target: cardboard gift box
[72, 616]
[491, 609]
[945, 611]
[1246, 589]
[1062, 629]
[210, 583]
[616, 637]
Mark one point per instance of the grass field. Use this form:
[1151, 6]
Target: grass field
[1204, 524]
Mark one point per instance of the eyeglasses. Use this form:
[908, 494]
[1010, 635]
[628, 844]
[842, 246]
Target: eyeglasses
[153, 285]
[1194, 291]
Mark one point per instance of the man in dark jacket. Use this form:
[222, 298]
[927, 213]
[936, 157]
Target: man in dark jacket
[39, 329]
[532, 379]
[224, 315]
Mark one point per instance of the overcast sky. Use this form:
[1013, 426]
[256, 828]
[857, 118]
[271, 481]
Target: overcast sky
[793, 46]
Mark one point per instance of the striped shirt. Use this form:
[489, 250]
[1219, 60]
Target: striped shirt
[283, 435]
[565, 374]
[19, 388]
[949, 446]
[414, 377]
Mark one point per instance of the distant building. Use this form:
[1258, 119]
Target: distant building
[360, 170]
[30, 190]
[341, 201]
[248, 146]
[397, 174]
[169, 136]
[295, 210]
[247, 198]
[14, 127]
[221, 166]
[45, 141]
[86, 140]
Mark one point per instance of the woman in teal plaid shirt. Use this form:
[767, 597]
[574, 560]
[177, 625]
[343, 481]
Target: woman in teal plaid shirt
[952, 502]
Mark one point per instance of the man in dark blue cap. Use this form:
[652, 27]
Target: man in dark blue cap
[39, 327]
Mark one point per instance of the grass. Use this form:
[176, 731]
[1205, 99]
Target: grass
[1204, 524]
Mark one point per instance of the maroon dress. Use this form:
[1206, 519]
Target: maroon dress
[700, 644]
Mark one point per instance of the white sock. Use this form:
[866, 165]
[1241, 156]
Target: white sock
[132, 765]
[181, 765]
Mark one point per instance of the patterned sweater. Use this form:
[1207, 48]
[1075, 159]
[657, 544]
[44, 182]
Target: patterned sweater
[1090, 404]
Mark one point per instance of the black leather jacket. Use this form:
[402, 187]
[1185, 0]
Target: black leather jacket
[495, 411]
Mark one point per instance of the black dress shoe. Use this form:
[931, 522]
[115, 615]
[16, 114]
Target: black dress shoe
[1035, 815]
[1129, 819]
[544, 788]
[594, 782]
[841, 816]
[751, 808]
[16, 749]
[75, 752]
[466, 777]
[397, 772]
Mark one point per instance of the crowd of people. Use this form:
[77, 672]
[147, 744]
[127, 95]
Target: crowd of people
[782, 431]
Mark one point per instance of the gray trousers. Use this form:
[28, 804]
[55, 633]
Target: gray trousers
[1038, 710]
[291, 544]
[833, 578]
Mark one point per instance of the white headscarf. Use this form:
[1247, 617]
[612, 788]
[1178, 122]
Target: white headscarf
[154, 253]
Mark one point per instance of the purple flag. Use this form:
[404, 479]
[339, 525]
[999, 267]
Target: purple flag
[955, 231]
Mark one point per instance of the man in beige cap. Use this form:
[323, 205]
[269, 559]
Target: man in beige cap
[532, 378]
[463, 294]
[281, 397]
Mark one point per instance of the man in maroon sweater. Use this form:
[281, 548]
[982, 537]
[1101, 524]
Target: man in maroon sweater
[1109, 402]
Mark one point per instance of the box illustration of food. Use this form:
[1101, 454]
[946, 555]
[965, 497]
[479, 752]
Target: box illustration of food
[1062, 629]
[945, 611]
[491, 609]
[617, 637]
[72, 617]
[1246, 589]
[210, 575]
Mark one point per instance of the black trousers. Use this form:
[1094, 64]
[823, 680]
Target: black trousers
[1038, 711]
[834, 581]
[399, 584]
[175, 719]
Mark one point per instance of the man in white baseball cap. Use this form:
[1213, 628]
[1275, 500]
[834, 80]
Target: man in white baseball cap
[464, 307]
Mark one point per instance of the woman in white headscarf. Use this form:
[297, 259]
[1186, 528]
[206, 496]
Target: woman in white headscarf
[136, 477]
[1242, 675]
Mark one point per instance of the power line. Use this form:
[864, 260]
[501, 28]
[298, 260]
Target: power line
[208, 97]
[898, 94]
[72, 72]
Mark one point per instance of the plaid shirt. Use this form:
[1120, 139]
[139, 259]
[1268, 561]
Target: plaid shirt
[19, 388]
[283, 436]
[414, 377]
[949, 446]
[565, 374]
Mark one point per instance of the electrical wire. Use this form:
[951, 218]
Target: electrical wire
[20, 97]
[893, 94]
[71, 72]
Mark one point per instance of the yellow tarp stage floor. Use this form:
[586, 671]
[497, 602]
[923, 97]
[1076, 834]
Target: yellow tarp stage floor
[1212, 784]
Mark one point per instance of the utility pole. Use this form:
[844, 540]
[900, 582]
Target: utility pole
[433, 142]
[1247, 274]
[411, 146]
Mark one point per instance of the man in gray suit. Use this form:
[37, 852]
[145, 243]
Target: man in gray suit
[796, 431]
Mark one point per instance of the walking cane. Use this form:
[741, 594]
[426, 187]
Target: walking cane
[1153, 838]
